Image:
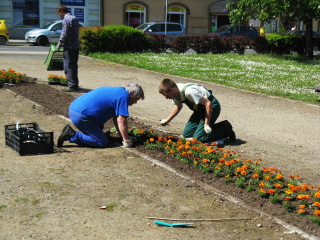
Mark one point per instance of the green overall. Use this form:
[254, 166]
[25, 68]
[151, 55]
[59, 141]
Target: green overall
[195, 126]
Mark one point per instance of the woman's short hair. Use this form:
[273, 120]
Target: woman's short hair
[135, 90]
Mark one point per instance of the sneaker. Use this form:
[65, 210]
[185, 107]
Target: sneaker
[229, 132]
[66, 134]
[70, 89]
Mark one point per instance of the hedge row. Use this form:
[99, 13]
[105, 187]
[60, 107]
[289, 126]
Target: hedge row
[120, 39]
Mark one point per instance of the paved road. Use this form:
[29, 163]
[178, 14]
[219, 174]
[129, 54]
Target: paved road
[282, 132]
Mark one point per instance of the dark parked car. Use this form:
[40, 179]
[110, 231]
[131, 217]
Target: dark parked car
[303, 33]
[237, 30]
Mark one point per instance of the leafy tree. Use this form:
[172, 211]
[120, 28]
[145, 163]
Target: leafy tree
[287, 10]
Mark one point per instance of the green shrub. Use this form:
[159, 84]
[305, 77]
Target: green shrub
[92, 39]
[114, 39]
[281, 44]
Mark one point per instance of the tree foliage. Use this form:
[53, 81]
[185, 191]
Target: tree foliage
[287, 10]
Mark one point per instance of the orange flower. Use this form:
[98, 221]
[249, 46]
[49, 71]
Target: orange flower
[171, 151]
[279, 177]
[255, 175]
[267, 177]
[261, 184]
[317, 204]
[317, 212]
[243, 172]
[194, 140]
[302, 206]
[205, 160]
[271, 191]
[289, 192]
[317, 195]
[301, 211]
[169, 141]
[301, 196]
[225, 155]
[262, 190]
[151, 139]
[277, 185]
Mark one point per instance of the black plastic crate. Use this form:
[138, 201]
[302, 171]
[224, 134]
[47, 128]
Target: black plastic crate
[28, 139]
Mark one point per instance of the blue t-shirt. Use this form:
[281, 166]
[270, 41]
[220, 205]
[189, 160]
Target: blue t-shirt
[103, 103]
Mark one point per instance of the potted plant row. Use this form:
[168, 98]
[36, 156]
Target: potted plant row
[57, 80]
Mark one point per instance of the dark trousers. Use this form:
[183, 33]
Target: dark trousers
[195, 125]
[70, 64]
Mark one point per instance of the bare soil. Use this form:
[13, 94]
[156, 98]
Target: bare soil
[56, 102]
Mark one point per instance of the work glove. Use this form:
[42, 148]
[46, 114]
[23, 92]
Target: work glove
[207, 129]
[127, 143]
[164, 122]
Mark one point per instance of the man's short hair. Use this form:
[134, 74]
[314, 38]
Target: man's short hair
[166, 84]
[62, 8]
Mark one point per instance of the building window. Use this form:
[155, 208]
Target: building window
[26, 13]
[176, 14]
[135, 15]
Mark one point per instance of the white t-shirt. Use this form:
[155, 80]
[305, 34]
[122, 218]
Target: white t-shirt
[193, 93]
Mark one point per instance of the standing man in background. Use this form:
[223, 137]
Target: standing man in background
[69, 40]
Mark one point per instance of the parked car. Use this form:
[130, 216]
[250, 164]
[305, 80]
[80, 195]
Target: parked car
[303, 33]
[173, 29]
[49, 33]
[237, 30]
[4, 35]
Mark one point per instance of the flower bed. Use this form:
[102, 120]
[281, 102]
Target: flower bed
[269, 183]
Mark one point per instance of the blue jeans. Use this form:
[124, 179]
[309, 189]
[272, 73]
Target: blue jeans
[91, 134]
[70, 64]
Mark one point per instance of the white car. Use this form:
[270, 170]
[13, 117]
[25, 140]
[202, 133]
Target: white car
[49, 33]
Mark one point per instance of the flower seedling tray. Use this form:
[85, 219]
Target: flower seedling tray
[28, 139]
[54, 59]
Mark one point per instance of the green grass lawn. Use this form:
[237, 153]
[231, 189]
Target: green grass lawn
[285, 76]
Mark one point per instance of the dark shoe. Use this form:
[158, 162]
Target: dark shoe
[67, 133]
[70, 89]
[229, 132]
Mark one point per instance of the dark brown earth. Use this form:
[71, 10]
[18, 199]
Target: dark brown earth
[44, 94]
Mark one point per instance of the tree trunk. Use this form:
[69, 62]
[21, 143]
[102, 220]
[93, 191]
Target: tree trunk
[309, 38]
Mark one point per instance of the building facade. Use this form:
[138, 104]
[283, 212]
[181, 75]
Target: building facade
[197, 16]
[23, 15]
